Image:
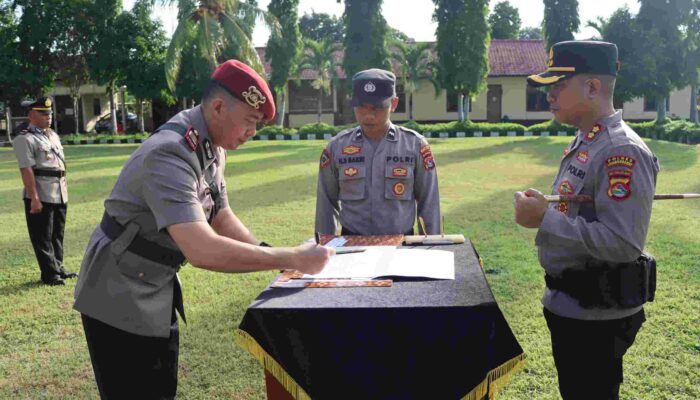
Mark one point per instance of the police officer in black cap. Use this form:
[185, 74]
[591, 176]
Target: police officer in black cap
[43, 169]
[375, 179]
[597, 276]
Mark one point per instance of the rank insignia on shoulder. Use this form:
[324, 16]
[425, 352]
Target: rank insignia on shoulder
[593, 133]
[192, 138]
[325, 158]
[399, 171]
[399, 189]
[620, 184]
[350, 171]
[582, 157]
[352, 149]
[620, 161]
[427, 155]
[208, 150]
[565, 188]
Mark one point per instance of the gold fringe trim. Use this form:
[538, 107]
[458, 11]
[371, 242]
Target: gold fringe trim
[248, 343]
[495, 379]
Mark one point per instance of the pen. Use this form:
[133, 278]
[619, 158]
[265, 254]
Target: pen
[317, 237]
[348, 251]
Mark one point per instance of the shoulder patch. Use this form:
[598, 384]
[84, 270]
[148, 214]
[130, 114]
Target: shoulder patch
[325, 158]
[427, 155]
[192, 138]
[620, 161]
[619, 184]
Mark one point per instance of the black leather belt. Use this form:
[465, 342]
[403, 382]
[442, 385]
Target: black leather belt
[140, 246]
[345, 231]
[49, 172]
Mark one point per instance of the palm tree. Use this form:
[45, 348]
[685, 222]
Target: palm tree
[418, 64]
[320, 56]
[221, 32]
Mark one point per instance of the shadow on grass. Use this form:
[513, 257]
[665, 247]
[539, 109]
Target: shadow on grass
[13, 290]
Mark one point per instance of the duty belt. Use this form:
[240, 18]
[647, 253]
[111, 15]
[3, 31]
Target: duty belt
[140, 246]
[49, 172]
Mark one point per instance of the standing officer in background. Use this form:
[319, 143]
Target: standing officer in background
[372, 177]
[597, 275]
[43, 169]
[169, 205]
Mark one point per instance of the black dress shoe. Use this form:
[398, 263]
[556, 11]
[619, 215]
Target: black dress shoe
[55, 282]
[68, 274]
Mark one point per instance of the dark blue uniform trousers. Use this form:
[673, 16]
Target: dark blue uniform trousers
[588, 354]
[46, 234]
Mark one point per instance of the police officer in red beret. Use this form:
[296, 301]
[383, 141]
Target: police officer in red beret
[169, 205]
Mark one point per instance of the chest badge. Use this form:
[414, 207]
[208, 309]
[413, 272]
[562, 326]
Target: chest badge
[351, 150]
[192, 138]
[565, 188]
[399, 189]
[399, 171]
[350, 171]
[593, 133]
[582, 157]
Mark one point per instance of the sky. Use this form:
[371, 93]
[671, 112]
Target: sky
[416, 20]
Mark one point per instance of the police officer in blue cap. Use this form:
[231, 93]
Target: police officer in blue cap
[597, 276]
[375, 178]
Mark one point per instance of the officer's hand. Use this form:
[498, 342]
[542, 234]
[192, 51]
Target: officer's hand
[36, 206]
[530, 207]
[310, 258]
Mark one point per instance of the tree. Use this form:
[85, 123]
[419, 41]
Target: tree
[504, 21]
[530, 32]
[418, 64]
[283, 50]
[219, 27]
[143, 74]
[10, 65]
[365, 37]
[320, 56]
[664, 67]
[560, 21]
[692, 45]
[462, 47]
[319, 26]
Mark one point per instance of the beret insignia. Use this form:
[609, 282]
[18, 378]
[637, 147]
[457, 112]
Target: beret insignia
[254, 97]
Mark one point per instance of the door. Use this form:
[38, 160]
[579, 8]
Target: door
[493, 105]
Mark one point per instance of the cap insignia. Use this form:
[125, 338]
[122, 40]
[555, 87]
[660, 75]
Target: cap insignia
[47, 103]
[254, 97]
[369, 87]
[551, 57]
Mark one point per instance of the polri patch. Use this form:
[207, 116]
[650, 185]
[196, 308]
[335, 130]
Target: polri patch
[620, 161]
[399, 171]
[208, 150]
[350, 171]
[351, 150]
[620, 184]
[593, 133]
[399, 189]
[582, 157]
[427, 155]
[565, 188]
[192, 138]
[325, 158]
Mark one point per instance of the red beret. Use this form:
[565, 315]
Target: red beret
[243, 83]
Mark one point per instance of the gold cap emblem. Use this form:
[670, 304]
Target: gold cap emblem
[47, 103]
[551, 57]
[254, 97]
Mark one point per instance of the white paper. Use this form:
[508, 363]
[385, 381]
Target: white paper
[380, 261]
[336, 242]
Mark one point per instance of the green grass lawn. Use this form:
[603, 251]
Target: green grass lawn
[272, 187]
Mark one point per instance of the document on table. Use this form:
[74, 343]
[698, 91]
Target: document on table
[381, 261]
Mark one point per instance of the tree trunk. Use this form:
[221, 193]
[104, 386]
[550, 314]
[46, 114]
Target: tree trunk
[112, 108]
[320, 105]
[460, 107]
[694, 102]
[9, 123]
[281, 104]
[54, 109]
[76, 117]
[184, 103]
[141, 124]
[467, 100]
[660, 109]
[123, 98]
[192, 103]
[410, 106]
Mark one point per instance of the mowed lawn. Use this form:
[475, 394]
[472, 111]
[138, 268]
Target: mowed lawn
[272, 187]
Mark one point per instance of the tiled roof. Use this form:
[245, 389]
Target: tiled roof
[507, 57]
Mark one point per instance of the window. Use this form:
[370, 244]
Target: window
[303, 98]
[403, 98]
[536, 100]
[650, 104]
[96, 107]
[452, 100]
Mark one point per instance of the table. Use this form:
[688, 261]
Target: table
[419, 339]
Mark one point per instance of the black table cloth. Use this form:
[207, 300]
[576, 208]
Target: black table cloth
[419, 339]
